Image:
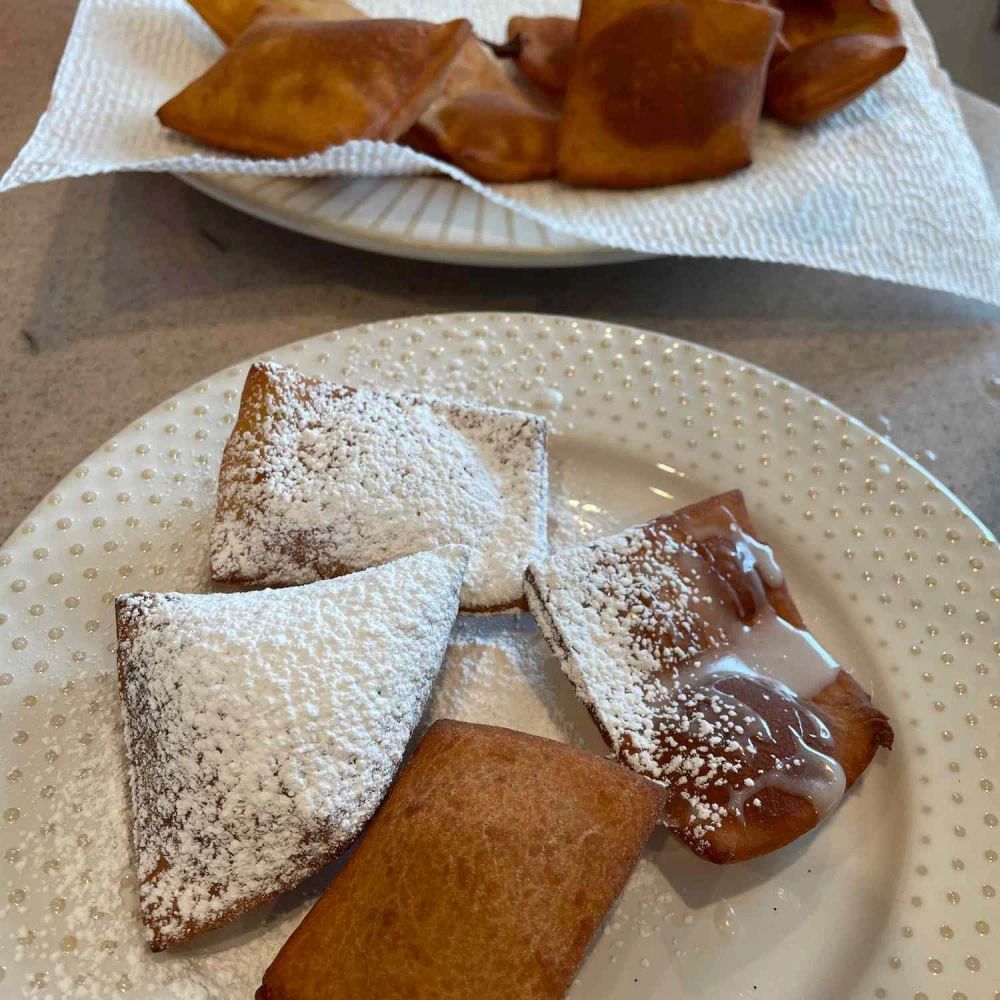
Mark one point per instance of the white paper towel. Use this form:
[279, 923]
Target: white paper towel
[891, 187]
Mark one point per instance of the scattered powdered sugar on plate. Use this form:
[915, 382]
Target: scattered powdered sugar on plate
[319, 480]
[500, 672]
[263, 729]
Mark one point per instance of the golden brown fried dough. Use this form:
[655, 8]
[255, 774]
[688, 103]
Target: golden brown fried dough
[485, 123]
[664, 92]
[682, 639]
[546, 49]
[485, 874]
[291, 86]
[831, 52]
[229, 18]
[498, 137]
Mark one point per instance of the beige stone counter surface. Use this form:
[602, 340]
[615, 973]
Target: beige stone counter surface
[117, 291]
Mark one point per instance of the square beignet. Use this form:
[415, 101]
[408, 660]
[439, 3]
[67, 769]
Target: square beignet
[682, 639]
[664, 92]
[319, 480]
[263, 729]
[485, 874]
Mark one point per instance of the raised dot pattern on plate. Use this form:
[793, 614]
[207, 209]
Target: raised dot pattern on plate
[137, 513]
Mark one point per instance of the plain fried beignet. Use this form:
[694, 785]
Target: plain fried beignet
[545, 49]
[829, 53]
[230, 18]
[664, 92]
[485, 874]
[289, 86]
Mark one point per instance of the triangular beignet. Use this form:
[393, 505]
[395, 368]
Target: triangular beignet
[263, 729]
[289, 86]
[318, 480]
[681, 638]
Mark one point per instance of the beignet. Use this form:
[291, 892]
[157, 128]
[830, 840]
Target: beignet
[484, 875]
[263, 729]
[318, 480]
[289, 86]
[664, 92]
[681, 638]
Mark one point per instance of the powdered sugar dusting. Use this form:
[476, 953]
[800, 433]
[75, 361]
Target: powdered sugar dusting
[330, 480]
[648, 633]
[263, 729]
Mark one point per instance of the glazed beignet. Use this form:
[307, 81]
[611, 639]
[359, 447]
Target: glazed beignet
[681, 638]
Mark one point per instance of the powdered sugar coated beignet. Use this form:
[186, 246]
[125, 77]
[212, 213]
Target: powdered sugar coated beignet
[683, 641]
[263, 729]
[319, 480]
[483, 877]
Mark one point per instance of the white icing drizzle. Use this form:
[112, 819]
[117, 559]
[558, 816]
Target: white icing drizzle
[648, 632]
[777, 650]
[754, 554]
[810, 773]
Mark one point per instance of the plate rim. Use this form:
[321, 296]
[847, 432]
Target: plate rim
[593, 329]
[408, 248]
[515, 315]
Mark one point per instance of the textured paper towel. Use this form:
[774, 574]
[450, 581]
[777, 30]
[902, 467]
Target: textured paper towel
[892, 187]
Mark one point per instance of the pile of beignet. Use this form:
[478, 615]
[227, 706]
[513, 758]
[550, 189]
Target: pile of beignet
[637, 93]
[264, 729]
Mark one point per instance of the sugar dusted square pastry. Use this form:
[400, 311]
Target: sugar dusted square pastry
[263, 729]
[483, 877]
[682, 639]
[319, 480]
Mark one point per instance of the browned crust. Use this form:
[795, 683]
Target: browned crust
[664, 93]
[488, 869]
[857, 727]
[545, 52]
[290, 86]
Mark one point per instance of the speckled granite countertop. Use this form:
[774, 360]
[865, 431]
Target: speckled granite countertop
[116, 292]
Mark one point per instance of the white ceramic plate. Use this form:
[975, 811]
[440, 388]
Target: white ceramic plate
[426, 218]
[895, 896]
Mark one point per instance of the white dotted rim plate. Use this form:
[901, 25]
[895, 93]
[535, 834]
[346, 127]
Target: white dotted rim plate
[424, 218]
[893, 897]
